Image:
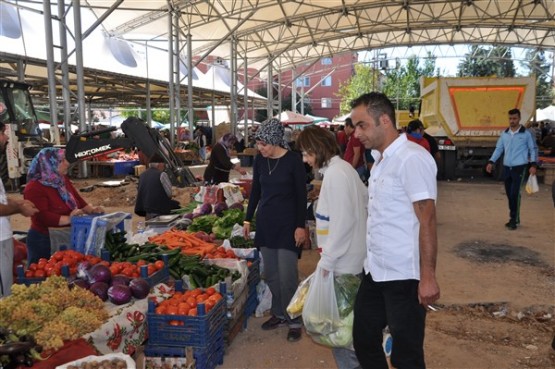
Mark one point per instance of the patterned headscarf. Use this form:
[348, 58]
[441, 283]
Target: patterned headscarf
[44, 169]
[271, 132]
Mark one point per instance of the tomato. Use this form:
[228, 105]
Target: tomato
[192, 302]
[172, 310]
[210, 291]
[128, 271]
[141, 263]
[159, 264]
[40, 273]
[33, 267]
[201, 298]
[193, 312]
[151, 269]
[29, 274]
[161, 310]
[208, 305]
[175, 323]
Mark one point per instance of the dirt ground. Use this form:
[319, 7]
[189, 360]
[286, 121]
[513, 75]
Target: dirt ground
[497, 301]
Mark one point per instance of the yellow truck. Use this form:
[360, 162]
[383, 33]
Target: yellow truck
[466, 115]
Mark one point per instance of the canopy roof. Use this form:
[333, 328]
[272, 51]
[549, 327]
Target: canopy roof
[296, 31]
[287, 33]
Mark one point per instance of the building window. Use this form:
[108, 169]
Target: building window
[326, 81]
[326, 61]
[326, 102]
[303, 81]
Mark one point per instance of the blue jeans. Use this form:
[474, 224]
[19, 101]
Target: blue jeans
[38, 246]
[392, 303]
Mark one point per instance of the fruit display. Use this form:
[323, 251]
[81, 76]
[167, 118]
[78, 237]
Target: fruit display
[51, 312]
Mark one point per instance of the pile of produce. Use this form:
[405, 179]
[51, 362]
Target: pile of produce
[51, 312]
[118, 288]
[53, 266]
[17, 350]
[185, 303]
[240, 242]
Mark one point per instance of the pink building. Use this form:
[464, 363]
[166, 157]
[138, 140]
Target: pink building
[321, 83]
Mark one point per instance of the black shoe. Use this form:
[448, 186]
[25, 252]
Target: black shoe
[273, 323]
[294, 334]
[511, 224]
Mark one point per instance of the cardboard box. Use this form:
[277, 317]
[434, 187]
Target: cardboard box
[139, 169]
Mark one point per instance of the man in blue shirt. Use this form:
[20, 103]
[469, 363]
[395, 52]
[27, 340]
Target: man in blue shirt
[519, 150]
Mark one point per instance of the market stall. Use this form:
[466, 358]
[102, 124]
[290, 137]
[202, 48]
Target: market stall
[113, 165]
[167, 291]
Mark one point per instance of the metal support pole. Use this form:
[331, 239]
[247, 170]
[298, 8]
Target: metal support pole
[294, 90]
[55, 134]
[66, 96]
[80, 74]
[270, 91]
[233, 86]
[177, 78]
[191, 112]
[171, 70]
[245, 100]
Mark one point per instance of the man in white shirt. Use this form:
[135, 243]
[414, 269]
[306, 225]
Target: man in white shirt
[7, 208]
[401, 240]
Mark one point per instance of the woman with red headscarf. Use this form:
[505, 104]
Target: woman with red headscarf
[220, 163]
[49, 188]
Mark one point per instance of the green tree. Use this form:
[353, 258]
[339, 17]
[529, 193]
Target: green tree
[362, 81]
[536, 63]
[482, 61]
[402, 84]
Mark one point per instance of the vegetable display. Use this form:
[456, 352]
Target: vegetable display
[51, 312]
[222, 227]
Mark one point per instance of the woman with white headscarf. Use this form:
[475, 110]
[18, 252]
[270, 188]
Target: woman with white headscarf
[278, 197]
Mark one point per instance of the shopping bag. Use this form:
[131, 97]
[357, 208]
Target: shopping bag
[295, 307]
[532, 184]
[320, 312]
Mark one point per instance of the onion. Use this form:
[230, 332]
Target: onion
[83, 283]
[119, 294]
[100, 289]
[139, 288]
[82, 268]
[99, 273]
[120, 279]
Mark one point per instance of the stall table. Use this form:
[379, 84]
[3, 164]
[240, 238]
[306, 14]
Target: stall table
[109, 169]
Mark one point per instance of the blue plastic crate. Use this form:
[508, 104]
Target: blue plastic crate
[197, 331]
[205, 358]
[160, 276]
[21, 279]
[252, 303]
[82, 226]
[123, 168]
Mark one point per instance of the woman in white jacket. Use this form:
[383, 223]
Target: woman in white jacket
[341, 213]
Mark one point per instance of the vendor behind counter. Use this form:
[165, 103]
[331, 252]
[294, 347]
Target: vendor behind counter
[154, 196]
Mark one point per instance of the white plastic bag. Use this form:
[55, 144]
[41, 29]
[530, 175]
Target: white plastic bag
[320, 312]
[532, 184]
[264, 298]
[295, 307]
